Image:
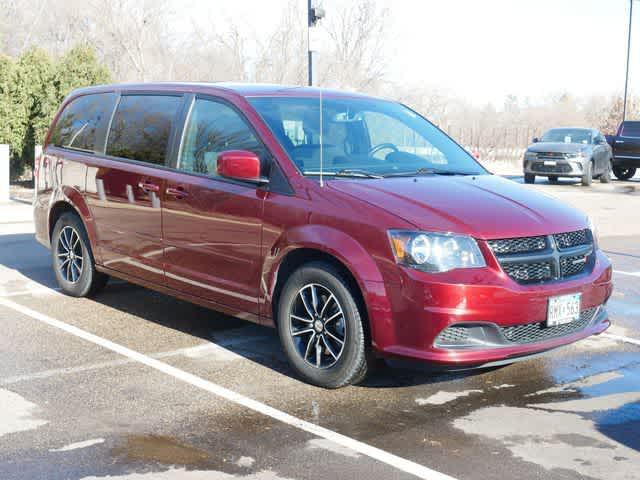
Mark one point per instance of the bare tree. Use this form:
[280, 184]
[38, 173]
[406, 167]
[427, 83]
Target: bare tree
[356, 57]
[282, 55]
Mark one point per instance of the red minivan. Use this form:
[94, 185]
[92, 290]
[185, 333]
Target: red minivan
[350, 223]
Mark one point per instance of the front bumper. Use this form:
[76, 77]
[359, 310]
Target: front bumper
[424, 305]
[560, 168]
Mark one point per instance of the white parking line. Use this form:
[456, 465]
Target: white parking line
[32, 291]
[375, 453]
[621, 338]
[631, 274]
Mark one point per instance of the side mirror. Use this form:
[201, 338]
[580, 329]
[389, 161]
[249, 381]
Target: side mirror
[240, 165]
[535, 140]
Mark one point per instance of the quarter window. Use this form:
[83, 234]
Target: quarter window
[83, 123]
[141, 127]
[214, 127]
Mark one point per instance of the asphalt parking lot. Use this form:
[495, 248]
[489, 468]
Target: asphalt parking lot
[136, 385]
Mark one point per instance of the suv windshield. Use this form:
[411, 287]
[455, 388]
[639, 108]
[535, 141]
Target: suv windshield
[363, 138]
[567, 135]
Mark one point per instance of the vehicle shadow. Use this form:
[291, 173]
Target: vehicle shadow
[30, 262]
[257, 343]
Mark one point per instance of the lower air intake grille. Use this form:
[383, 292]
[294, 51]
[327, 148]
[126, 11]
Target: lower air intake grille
[537, 332]
[454, 336]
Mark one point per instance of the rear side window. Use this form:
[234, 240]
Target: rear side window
[631, 129]
[215, 127]
[141, 127]
[83, 123]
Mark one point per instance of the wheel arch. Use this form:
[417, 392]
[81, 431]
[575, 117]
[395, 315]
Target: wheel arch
[71, 200]
[337, 249]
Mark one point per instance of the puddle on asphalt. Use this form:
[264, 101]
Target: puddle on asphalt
[588, 425]
[161, 450]
[182, 474]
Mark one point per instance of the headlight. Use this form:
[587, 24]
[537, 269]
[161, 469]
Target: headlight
[594, 232]
[435, 252]
[530, 156]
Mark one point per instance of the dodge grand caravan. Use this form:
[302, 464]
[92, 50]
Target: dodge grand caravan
[351, 224]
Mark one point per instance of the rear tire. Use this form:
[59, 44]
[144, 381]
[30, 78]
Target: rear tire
[623, 173]
[529, 178]
[73, 262]
[606, 175]
[321, 327]
[587, 176]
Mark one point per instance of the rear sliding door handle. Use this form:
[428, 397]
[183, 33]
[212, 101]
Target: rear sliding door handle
[148, 187]
[177, 192]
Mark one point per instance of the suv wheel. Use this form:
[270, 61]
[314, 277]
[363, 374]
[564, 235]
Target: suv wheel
[321, 327]
[587, 176]
[606, 175]
[529, 178]
[73, 261]
[624, 173]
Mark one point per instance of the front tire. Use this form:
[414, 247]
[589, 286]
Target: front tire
[606, 175]
[623, 173]
[587, 176]
[73, 261]
[321, 327]
[529, 178]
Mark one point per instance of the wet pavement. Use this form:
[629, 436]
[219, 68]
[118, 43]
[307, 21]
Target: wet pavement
[73, 409]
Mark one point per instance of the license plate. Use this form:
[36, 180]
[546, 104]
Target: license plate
[563, 309]
[550, 163]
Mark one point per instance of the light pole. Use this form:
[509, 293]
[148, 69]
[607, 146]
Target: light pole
[314, 14]
[626, 78]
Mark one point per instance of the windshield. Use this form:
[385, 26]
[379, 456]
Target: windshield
[362, 138]
[567, 135]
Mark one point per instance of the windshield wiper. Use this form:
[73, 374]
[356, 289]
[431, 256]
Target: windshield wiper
[356, 172]
[428, 171]
[346, 172]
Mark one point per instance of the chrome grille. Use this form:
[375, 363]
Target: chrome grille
[552, 155]
[529, 272]
[572, 239]
[541, 259]
[559, 168]
[518, 245]
[536, 332]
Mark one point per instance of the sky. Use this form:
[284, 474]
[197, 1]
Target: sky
[484, 50]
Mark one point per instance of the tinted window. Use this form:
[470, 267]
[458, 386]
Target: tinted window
[631, 129]
[214, 127]
[83, 123]
[141, 127]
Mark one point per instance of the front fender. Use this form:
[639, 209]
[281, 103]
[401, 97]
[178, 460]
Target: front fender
[339, 245]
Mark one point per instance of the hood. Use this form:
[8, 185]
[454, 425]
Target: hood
[558, 147]
[484, 206]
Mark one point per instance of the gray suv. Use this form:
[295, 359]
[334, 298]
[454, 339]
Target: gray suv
[569, 152]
